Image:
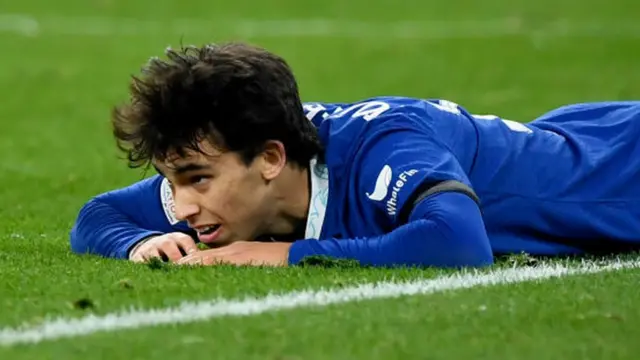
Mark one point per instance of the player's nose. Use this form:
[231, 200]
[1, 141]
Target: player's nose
[185, 205]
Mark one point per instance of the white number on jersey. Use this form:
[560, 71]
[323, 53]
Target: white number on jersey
[513, 125]
[367, 110]
[451, 107]
[312, 110]
[448, 106]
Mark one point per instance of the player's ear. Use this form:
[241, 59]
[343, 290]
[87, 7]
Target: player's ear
[273, 159]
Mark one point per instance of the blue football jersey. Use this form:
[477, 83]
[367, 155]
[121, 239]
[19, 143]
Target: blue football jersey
[566, 182]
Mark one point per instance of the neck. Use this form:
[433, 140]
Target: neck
[294, 192]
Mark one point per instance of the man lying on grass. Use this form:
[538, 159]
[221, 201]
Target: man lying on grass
[387, 181]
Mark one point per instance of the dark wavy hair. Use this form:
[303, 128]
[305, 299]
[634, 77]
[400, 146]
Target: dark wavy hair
[236, 95]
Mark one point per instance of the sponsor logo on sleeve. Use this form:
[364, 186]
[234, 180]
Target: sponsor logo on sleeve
[384, 184]
[168, 204]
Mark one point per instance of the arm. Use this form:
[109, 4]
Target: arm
[111, 224]
[422, 194]
[444, 230]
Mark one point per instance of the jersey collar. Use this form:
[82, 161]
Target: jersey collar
[318, 199]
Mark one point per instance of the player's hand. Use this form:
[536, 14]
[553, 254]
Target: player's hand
[172, 246]
[242, 253]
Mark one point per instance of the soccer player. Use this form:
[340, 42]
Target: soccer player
[244, 167]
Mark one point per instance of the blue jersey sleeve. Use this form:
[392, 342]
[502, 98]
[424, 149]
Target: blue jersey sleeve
[402, 158]
[445, 230]
[112, 223]
[401, 163]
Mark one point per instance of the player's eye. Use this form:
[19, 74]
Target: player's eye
[198, 179]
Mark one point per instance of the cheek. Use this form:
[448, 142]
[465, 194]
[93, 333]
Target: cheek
[248, 196]
[221, 198]
[234, 197]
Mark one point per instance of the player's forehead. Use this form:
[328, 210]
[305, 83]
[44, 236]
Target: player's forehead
[185, 160]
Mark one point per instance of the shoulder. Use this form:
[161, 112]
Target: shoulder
[367, 109]
[354, 118]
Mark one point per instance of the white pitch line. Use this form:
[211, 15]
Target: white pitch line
[32, 25]
[189, 312]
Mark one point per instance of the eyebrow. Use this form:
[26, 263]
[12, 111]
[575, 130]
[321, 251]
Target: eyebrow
[181, 169]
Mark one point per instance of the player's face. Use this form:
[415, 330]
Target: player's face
[219, 195]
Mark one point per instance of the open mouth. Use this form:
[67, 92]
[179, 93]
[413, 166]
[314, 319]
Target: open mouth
[208, 230]
[209, 234]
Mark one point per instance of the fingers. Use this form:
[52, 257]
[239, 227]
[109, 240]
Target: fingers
[190, 260]
[203, 257]
[169, 247]
[177, 246]
[150, 254]
[186, 243]
[170, 251]
[142, 253]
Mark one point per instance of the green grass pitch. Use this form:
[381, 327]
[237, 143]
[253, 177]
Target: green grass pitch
[65, 63]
